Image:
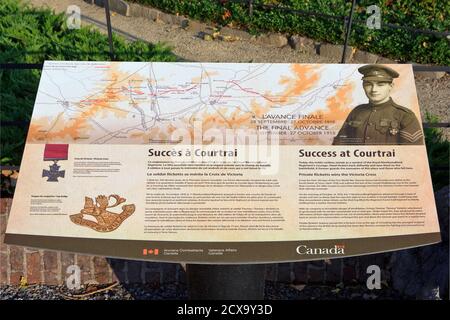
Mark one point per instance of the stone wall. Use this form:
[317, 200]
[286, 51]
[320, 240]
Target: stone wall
[49, 267]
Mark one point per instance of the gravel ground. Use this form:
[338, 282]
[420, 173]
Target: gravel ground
[185, 44]
[274, 291]
[434, 97]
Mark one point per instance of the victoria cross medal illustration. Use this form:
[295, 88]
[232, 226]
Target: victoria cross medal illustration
[55, 153]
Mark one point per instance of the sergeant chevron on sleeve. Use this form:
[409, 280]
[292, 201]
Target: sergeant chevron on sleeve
[381, 121]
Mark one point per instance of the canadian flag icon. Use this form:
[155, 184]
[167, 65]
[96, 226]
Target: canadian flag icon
[150, 252]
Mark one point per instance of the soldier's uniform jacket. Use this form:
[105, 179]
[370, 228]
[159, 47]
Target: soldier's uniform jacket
[387, 123]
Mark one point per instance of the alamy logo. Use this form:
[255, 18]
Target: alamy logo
[336, 249]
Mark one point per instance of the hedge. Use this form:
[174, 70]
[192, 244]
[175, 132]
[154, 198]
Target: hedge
[30, 35]
[399, 44]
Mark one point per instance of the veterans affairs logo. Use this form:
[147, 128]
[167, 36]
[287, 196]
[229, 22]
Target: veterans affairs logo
[106, 221]
[55, 153]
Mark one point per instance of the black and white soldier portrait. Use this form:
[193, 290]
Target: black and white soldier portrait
[381, 121]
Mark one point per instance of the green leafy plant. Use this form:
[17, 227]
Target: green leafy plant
[29, 35]
[438, 150]
[273, 15]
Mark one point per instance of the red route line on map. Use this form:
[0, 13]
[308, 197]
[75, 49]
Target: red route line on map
[141, 93]
[170, 90]
[183, 91]
[250, 91]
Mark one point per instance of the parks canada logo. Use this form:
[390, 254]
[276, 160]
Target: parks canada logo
[337, 249]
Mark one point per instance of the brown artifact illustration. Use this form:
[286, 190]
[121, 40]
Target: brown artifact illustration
[106, 221]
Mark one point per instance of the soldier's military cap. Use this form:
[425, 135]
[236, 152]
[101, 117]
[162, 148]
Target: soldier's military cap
[378, 73]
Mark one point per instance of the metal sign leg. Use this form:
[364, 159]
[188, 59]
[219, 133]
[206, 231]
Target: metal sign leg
[226, 282]
[108, 24]
[348, 31]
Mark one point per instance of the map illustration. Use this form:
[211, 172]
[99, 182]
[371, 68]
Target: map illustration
[146, 102]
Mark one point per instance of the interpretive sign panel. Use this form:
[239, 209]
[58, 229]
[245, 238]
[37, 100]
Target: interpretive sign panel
[224, 163]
